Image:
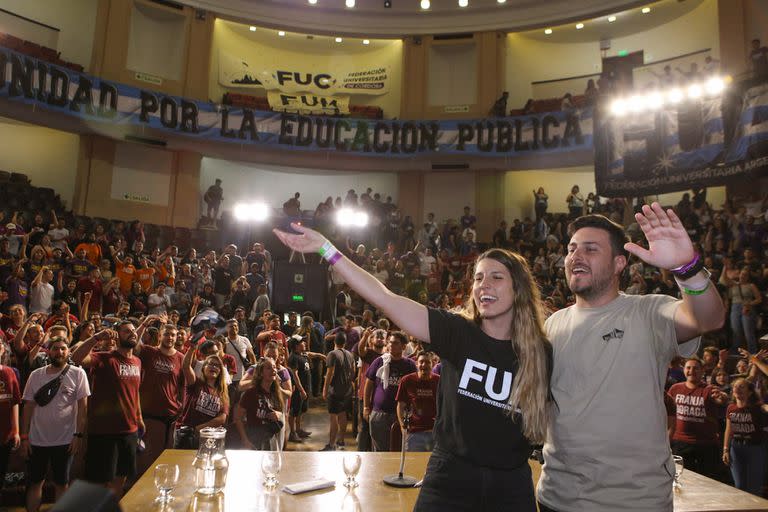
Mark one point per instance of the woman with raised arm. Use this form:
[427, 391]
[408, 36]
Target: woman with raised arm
[206, 400]
[494, 386]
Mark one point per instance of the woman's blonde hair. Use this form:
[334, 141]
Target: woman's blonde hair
[530, 389]
[221, 382]
[274, 388]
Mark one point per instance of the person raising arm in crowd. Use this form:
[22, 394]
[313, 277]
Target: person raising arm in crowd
[494, 385]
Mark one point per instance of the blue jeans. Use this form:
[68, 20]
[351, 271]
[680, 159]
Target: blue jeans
[743, 327]
[419, 442]
[748, 466]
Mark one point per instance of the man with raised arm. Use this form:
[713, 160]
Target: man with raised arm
[114, 411]
[607, 447]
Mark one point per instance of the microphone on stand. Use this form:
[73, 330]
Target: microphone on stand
[401, 480]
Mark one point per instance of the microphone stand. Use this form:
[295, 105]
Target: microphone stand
[400, 480]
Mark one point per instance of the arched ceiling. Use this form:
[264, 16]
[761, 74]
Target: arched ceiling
[405, 17]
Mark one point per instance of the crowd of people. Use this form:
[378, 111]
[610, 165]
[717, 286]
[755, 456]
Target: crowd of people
[157, 345]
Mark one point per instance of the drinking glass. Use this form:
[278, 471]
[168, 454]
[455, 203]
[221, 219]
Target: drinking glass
[351, 465]
[678, 470]
[166, 478]
[271, 463]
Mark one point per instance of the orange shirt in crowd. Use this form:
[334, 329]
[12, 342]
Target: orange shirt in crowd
[145, 277]
[92, 252]
[126, 274]
[164, 275]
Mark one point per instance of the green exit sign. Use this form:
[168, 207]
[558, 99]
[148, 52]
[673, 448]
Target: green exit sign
[623, 53]
[298, 298]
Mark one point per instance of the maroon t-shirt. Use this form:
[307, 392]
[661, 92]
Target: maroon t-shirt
[86, 285]
[113, 407]
[421, 397]
[696, 414]
[201, 404]
[10, 395]
[161, 382]
[258, 404]
[747, 423]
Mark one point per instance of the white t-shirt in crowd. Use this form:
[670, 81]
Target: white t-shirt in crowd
[242, 344]
[426, 263]
[41, 298]
[59, 237]
[55, 423]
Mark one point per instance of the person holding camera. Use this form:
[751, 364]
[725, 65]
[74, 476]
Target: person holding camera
[743, 297]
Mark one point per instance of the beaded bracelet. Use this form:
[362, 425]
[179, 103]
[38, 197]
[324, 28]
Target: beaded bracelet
[329, 253]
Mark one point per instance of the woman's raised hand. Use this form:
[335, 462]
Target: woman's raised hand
[307, 240]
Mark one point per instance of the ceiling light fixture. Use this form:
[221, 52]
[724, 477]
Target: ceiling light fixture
[281, 33]
[646, 10]
[366, 42]
[579, 26]
[338, 39]
[349, 3]
[548, 31]
[463, 3]
[252, 28]
[425, 4]
[611, 19]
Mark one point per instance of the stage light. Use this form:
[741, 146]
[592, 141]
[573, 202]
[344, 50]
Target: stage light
[675, 96]
[312, 2]
[611, 19]
[502, 1]
[425, 4]
[619, 107]
[715, 86]
[579, 26]
[387, 4]
[349, 3]
[347, 217]
[281, 33]
[547, 31]
[338, 39]
[251, 212]
[252, 28]
[695, 91]
[654, 101]
[637, 103]
[646, 10]
[463, 3]
[366, 42]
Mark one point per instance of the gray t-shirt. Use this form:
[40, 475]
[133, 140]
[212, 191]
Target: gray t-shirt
[343, 363]
[607, 446]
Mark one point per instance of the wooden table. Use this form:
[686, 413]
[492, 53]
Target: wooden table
[244, 490]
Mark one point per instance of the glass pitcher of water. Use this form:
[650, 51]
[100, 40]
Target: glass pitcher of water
[211, 462]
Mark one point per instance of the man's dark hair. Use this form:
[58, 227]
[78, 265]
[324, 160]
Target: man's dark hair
[340, 340]
[308, 313]
[425, 353]
[121, 323]
[206, 346]
[712, 350]
[400, 336]
[349, 317]
[616, 232]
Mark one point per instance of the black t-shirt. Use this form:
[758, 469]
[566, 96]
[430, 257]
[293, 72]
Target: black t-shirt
[222, 281]
[300, 363]
[475, 383]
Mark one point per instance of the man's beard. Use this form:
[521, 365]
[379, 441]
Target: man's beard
[59, 362]
[128, 342]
